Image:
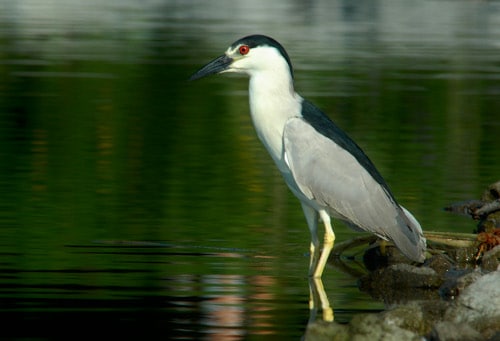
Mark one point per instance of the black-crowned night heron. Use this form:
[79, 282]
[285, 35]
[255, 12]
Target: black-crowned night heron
[323, 167]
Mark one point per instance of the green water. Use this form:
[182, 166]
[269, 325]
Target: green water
[137, 201]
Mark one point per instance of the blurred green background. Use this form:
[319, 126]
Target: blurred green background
[126, 189]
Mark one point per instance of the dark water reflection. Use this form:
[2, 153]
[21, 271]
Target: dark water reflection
[135, 201]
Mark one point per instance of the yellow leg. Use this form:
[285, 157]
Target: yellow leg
[312, 221]
[313, 263]
[318, 296]
[328, 244]
[382, 245]
[316, 266]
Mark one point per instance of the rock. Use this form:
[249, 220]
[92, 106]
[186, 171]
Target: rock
[363, 327]
[382, 255]
[448, 331]
[466, 208]
[416, 316]
[492, 192]
[491, 259]
[377, 327]
[486, 210]
[457, 281]
[402, 282]
[473, 313]
[478, 305]
[463, 255]
[454, 295]
[326, 331]
[440, 263]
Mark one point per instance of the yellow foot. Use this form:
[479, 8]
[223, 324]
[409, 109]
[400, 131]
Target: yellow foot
[328, 314]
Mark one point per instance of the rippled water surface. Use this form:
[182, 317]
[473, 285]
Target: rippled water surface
[136, 201]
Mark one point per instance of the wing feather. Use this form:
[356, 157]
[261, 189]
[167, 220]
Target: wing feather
[332, 178]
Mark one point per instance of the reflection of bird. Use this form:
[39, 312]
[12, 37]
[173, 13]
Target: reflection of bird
[323, 167]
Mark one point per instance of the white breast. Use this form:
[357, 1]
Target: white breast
[272, 102]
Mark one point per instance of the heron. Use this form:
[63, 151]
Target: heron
[323, 167]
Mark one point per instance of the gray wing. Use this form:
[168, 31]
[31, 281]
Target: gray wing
[331, 178]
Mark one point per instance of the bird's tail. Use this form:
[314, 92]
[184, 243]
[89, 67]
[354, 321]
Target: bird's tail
[412, 241]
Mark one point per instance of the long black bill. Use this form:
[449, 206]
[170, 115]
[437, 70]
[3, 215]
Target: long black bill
[217, 65]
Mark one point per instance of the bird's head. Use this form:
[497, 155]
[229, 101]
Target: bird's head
[250, 55]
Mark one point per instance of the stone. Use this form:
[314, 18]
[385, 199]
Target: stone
[479, 305]
[448, 331]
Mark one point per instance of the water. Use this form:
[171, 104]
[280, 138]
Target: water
[135, 201]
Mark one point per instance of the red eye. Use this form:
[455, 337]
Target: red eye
[244, 49]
